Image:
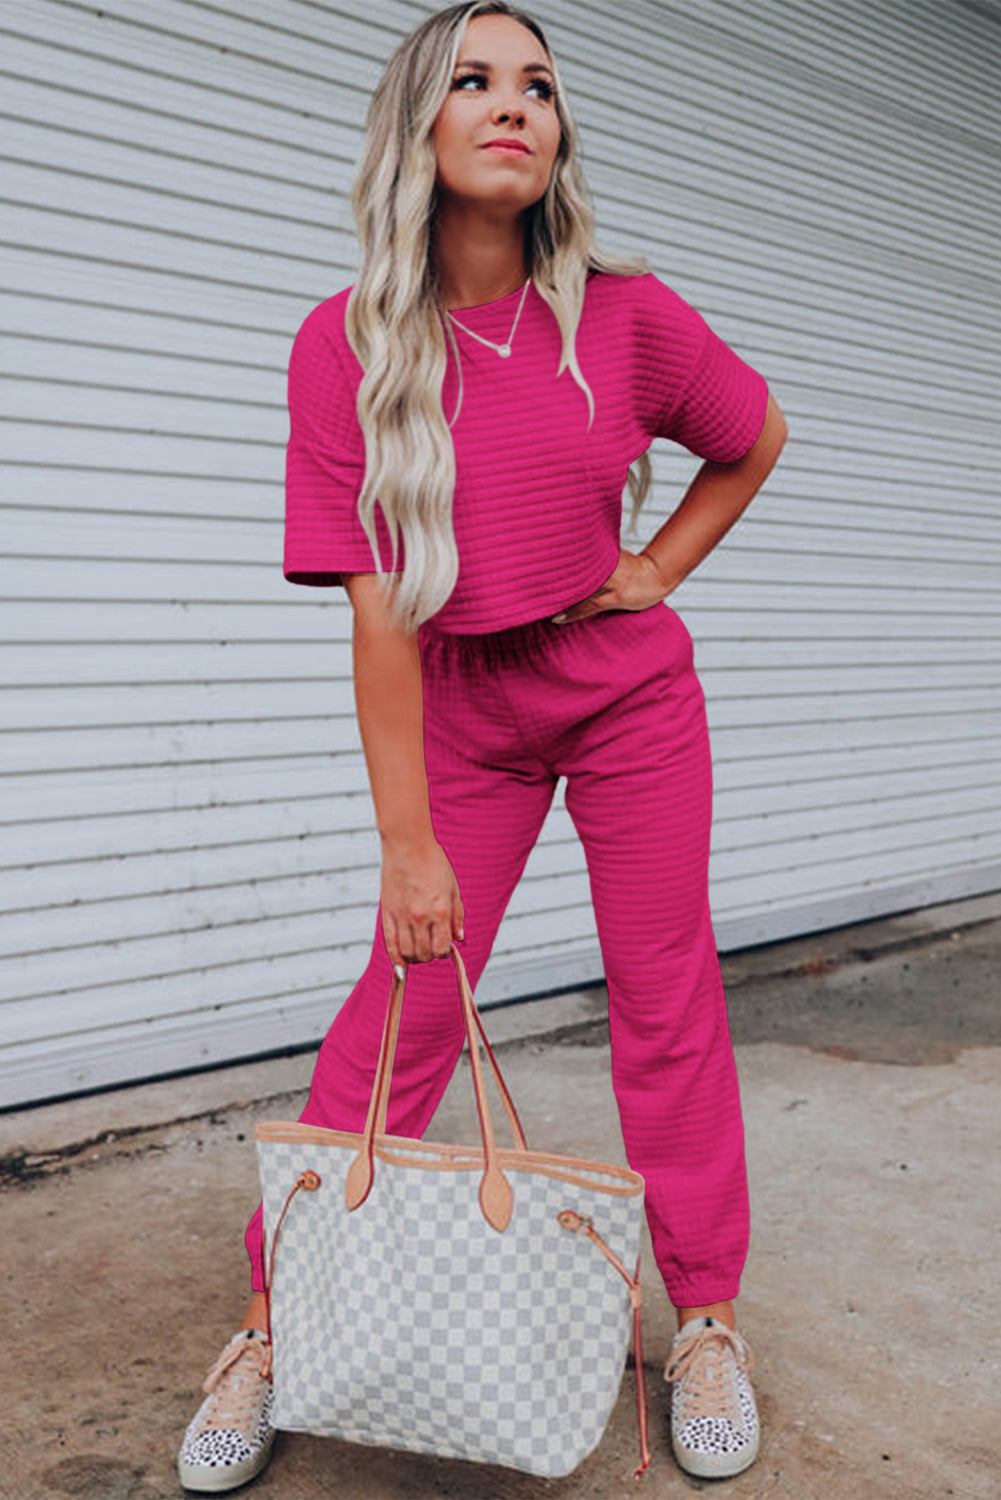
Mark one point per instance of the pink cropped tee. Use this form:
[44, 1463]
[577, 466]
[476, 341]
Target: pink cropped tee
[537, 508]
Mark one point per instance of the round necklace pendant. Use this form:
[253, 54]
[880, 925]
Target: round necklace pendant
[503, 350]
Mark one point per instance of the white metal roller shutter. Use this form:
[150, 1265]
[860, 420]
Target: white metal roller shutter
[830, 196]
[191, 865]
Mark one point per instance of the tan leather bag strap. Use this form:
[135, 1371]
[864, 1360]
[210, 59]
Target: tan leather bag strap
[496, 1198]
[393, 1027]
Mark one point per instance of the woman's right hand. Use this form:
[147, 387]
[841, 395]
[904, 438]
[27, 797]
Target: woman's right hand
[421, 907]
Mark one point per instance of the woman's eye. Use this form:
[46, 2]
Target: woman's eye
[547, 91]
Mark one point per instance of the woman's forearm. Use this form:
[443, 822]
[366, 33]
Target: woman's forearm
[715, 499]
[390, 706]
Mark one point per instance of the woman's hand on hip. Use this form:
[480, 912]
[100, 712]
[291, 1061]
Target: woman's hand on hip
[635, 584]
[421, 906]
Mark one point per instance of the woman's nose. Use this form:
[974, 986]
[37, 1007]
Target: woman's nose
[509, 112]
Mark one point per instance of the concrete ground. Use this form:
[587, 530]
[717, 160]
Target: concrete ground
[870, 1066]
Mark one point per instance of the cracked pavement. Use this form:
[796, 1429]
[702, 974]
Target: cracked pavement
[870, 1072]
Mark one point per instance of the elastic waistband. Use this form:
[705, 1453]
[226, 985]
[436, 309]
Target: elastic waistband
[534, 636]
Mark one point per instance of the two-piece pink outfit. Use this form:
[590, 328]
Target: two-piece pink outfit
[512, 702]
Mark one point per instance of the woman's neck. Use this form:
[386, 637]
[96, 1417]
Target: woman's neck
[478, 259]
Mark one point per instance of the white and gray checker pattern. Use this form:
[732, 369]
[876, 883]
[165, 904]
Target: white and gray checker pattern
[417, 1326]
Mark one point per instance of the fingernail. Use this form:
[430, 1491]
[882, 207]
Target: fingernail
[559, 619]
[398, 970]
[461, 934]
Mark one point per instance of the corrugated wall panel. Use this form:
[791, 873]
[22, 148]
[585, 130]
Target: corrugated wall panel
[847, 630]
[190, 861]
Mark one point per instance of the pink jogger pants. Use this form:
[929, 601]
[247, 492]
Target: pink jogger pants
[612, 702]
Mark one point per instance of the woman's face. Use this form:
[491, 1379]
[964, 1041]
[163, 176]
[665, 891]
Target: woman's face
[501, 90]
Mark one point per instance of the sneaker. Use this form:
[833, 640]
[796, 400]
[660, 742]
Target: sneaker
[714, 1419]
[230, 1437]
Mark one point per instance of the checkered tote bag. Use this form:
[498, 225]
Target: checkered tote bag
[465, 1301]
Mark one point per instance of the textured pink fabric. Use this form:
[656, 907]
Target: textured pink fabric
[537, 508]
[611, 702]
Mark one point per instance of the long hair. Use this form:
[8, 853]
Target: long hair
[392, 319]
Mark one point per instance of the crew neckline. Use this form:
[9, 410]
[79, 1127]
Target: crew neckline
[475, 307]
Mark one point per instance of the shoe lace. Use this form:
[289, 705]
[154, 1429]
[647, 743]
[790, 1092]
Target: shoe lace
[699, 1361]
[234, 1381]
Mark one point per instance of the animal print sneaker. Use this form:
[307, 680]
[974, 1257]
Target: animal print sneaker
[714, 1419]
[230, 1437]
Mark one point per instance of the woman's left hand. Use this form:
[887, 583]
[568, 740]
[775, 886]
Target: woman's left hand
[635, 584]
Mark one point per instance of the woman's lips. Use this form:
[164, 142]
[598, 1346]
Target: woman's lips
[505, 149]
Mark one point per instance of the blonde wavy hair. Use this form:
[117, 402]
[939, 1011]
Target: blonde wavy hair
[393, 322]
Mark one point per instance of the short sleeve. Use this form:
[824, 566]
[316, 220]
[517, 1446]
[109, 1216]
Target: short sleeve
[712, 402]
[325, 459]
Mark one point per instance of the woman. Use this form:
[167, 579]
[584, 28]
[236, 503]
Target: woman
[489, 379]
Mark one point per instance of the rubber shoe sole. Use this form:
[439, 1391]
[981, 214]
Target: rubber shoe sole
[215, 1479]
[716, 1465]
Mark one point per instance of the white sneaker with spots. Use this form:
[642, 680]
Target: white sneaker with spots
[230, 1437]
[714, 1419]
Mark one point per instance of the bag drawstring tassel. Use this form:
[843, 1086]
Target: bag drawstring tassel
[309, 1181]
[580, 1224]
